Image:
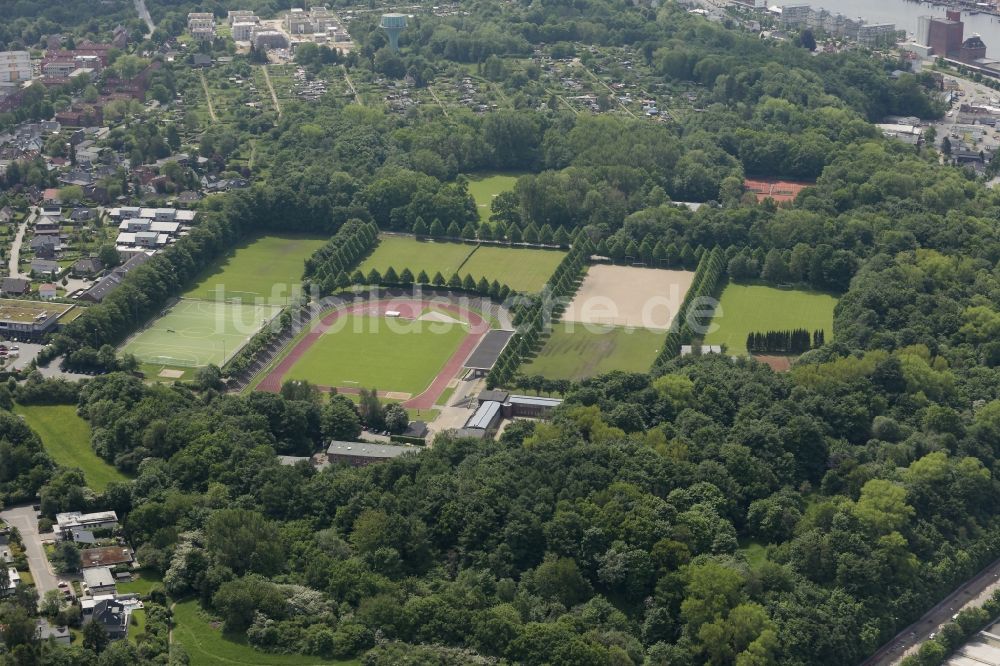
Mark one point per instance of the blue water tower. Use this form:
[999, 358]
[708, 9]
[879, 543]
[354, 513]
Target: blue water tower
[393, 24]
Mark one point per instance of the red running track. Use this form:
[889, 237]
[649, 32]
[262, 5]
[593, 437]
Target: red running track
[408, 308]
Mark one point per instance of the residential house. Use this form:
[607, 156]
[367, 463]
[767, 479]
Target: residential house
[108, 556]
[110, 282]
[45, 247]
[14, 287]
[71, 522]
[99, 580]
[48, 291]
[46, 631]
[14, 579]
[6, 215]
[112, 615]
[81, 215]
[87, 267]
[47, 226]
[45, 267]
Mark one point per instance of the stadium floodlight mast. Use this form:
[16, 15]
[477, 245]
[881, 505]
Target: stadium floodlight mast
[393, 24]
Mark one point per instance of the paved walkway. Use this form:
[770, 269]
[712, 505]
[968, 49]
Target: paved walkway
[23, 518]
[270, 86]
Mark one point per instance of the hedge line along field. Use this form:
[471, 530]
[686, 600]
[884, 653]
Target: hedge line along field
[362, 351]
[576, 352]
[747, 308]
[520, 268]
[262, 269]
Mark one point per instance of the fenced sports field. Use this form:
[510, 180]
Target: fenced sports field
[195, 333]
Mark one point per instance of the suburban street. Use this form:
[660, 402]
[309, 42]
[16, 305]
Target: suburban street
[13, 268]
[972, 593]
[23, 518]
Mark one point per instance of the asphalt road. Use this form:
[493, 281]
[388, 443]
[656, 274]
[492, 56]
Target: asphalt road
[23, 518]
[140, 9]
[972, 593]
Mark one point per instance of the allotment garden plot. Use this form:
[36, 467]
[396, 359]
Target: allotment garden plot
[195, 333]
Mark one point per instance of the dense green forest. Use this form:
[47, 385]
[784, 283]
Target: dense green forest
[711, 512]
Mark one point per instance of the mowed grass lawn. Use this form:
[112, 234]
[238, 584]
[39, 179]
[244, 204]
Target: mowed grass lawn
[754, 308]
[399, 252]
[67, 439]
[266, 267]
[363, 352]
[573, 352]
[206, 645]
[484, 186]
[521, 269]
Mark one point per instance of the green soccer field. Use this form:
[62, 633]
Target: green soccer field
[196, 333]
[573, 352]
[753, 308]
[263, 269]
[521, 269]
[484, 186]
[364, 352]
[399, 252]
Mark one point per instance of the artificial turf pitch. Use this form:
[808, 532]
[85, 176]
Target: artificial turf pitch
[195, 333]
[754, 308]
[263, 269]
[372, 352]
[576, 352]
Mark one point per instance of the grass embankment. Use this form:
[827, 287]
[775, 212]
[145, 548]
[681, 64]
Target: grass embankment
[66, 437]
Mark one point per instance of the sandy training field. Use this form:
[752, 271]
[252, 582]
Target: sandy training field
[625, 296]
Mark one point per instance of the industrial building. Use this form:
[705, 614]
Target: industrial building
[359, 454]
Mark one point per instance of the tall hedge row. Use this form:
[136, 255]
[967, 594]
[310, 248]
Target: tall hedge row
[328, 268]
[529, 313]
[711, 267]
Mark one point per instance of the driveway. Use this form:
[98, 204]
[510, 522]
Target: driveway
[23, 518]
